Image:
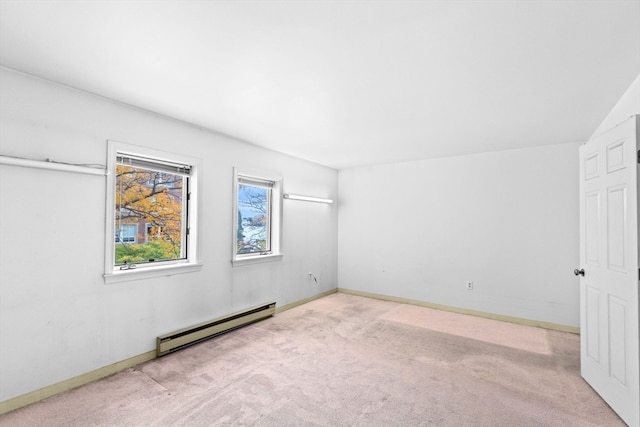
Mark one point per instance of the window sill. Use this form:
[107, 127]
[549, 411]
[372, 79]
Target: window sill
[149, 272]
[258, 259]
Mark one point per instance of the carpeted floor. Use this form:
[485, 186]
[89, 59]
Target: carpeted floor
[345, 360]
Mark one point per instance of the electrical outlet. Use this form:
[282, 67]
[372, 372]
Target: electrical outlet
[469, 286]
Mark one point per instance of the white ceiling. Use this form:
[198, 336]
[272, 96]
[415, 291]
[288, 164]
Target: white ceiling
[344, 83]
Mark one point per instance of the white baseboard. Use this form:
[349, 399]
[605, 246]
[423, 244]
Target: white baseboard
[510, 319]
[45, 392]
[51, 390]
[82, 379]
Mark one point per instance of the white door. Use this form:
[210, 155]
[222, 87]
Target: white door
[609, 328]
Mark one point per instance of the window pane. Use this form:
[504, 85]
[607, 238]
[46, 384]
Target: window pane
[254, 205]
[149, 206]
[126, 233]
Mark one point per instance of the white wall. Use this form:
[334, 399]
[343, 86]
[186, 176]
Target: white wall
[57, 317]
[627, 106]
[508, 221]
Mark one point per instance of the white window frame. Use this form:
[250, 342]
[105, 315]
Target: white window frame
[114, 274]
[275, 219]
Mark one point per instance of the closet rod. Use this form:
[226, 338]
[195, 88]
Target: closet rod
[48, 164]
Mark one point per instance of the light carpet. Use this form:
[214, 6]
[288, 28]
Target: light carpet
[345, 360]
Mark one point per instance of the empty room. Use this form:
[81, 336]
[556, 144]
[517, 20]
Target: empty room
[319, 213]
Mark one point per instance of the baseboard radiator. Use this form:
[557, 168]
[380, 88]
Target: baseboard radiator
[177, 340]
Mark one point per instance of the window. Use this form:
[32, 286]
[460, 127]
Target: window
[256, 218]
[151, 211]
[126, 233]
[156, 232]
[253, 235]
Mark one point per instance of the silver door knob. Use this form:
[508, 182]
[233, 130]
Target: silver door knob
[579, 272]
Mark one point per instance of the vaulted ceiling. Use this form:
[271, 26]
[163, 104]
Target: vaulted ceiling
[344, 83]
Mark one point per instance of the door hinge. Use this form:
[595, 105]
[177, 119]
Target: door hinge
[638, 156]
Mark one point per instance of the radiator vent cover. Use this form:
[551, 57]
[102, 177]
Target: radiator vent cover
[182, 338]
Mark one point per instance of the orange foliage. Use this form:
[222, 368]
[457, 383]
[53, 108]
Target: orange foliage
[152, 197]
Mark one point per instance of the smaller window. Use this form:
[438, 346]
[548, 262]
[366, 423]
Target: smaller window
[256, 218]
[156, 232]
[126, 233]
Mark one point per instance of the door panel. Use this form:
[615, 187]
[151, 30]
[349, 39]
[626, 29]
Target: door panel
[617, 200]
[591, 166]
[615, 156]
[592, 331]
[617, 332]
[609, 321]
[592, 221]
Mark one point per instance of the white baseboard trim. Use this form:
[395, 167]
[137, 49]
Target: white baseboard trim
[82, 379]
[510, 319]
[51, 390]
[305, 300]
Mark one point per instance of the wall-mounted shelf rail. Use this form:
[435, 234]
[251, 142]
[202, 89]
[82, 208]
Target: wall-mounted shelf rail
[52, 165]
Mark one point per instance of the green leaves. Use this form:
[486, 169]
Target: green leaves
[151, 251]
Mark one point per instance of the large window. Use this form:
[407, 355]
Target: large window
[256, 217]
[155, 195]
[152, 212]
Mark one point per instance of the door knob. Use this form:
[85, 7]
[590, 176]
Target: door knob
[579, 272]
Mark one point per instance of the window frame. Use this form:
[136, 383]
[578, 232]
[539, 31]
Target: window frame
[115, 274]
[275, 218]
